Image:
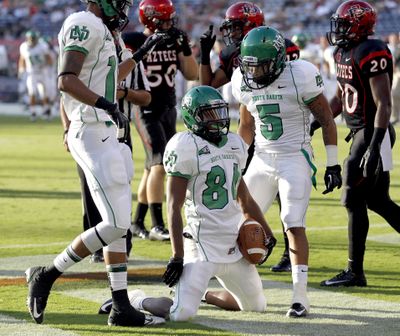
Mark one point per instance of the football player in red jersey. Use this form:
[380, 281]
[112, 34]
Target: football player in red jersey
[156, 123]
[364, 70]
[240, 18]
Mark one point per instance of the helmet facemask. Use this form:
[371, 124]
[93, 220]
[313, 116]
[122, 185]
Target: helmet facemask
[115, 13]
[213, 121]
[232, 31]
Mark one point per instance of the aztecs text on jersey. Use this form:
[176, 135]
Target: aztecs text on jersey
[161, 66]
[280, 111]
[213, 173]
[229, 56]
[354, 68]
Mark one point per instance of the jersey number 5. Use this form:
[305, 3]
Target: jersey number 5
[271, 127]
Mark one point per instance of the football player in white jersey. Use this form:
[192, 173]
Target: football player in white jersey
[34, 57]
[88, 77]
[276, 100]
[204, 167]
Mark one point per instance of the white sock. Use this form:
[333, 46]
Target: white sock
[118, 276]
[66, 259]
[300, 279]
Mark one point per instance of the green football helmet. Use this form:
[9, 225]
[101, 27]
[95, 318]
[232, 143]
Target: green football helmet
[205, 113]
[300, 40]
[262, 57]
[31, 37]
[115, 12]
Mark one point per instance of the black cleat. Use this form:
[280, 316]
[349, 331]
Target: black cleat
[38, 292]
[297, 310]
[140, 232]
[159, 233]
[105, 308]
[283, 265]
[97, 257]
[126, 317]
[346, 278]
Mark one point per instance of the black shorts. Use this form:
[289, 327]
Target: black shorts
[155, 130]
[358, 190]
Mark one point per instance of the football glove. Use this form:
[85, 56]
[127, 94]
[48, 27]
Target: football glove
[371, 162]
[148, 46]
[181, 39]
[332, 178]
[173, 272]
[207, 41]
[117, 117]
[269, 243]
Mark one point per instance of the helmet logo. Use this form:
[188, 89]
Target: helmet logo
[356, 11]
[150, 11]
[247, 9]
[279, 42]
[187, 101]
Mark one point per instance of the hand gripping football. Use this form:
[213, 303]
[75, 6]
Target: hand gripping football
[251, 241]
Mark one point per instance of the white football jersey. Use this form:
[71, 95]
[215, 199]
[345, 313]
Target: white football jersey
[211, 208]
[86, 33]
[280, 111]
[34, 56]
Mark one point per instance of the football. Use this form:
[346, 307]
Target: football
[251, 241]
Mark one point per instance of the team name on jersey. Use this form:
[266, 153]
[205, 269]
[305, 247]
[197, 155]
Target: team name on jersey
[161, 56]
[344, 71]
[267, 97]
[222, 157]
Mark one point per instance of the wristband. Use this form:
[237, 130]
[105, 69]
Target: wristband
[377, 137]
[66, 131]
[204, 58]
[331, 155]
[104, 104]
[125, 92]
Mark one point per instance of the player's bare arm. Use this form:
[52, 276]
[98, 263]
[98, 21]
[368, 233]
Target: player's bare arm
[336, 103]
[176, 192]
[216, 79]
[323, 114]
[247, 125]
[381, 92]
[189, 67]
[69, 82]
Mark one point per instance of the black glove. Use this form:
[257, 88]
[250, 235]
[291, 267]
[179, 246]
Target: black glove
[148, 46]
[173, 272]
[314, 126]
[207, 41]
[269, 243]
[332, 178]
[181, 39]
[371, 160]
[117, 117]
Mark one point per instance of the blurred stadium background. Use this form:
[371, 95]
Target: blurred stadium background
[289, 16]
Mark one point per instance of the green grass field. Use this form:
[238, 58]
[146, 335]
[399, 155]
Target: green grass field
[40, 212]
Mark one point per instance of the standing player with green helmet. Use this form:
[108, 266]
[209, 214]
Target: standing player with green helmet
[278, 97]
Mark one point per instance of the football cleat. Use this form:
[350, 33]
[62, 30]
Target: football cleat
[346, 278]
[283, 265]
[150, 320]
[97, 257]
[105, 308]
[140, 232]
[126, 317]
[159, 233]
[38, 292]
[297, 310]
